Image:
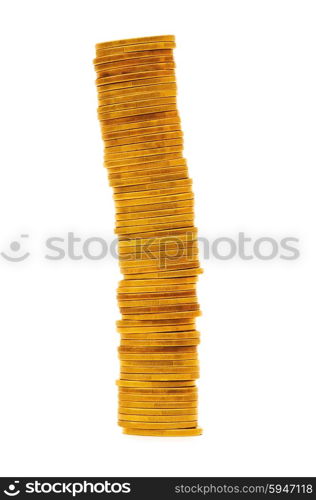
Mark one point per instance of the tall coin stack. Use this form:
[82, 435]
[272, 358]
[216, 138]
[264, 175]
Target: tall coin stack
[157, 240]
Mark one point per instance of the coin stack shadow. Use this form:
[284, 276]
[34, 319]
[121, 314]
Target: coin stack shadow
[157, 240]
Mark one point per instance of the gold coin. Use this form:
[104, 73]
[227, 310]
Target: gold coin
[141, 83]
[156, 329]
[137, 47]
[160, 363]
[146, 169]
[156, 323]
[136, 74]
[156, 418]
[171, 119]
[136, 59]
[145, 145]
[125, 410]
[126, 356]
[142, 222]
[133, 41]
[136, 139]
[106, 70]
[184, 373]
[162, 433]
[154, 206]
[146, 130]
[136, 112]
[133, 383]
[146, 54]
[156, 301]
[158, 397]
[152, 187]
[139, 104]
[147, 163]
[162, 405]
[159, 425]
[143, 154]
[157, 390]
[129, 181]
[143, 175]
[136, 94]
[159, 342]
[189, 334]
[153, 200]
[171, 335]
[161, 282]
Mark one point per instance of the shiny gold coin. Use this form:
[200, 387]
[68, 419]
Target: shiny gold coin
[133, 383]
[157, 397]
[145, 144]
[136, 139]
[184, 335]
[159, 425]
[165, 205]
[162, 315]
[168, 329]
[145, 164]
[159, 342]
[157, 418]
[143, 154]
[182, 186]
[182, 373]
[136, 84]
[161, 405]
[133, 41]
[125, 410]
[167, 363]
[135, 75]
[161, 282]
[137, 47]
[155, 289]
[142, 175]
[130, 181]
[151, 230]
[164, 212]
[106, 70]
[139, 104]
[133, 113]
[150, 122]
[145, 161]
[144, 55]
[136, 94]
[160, 376]
[153, 200]
[136, 60]
[126, 356]
[160, 301]
[186, 217]
[152, 187]
[131, 49]
[157, 390]
[163, 433]
[146, 130]
[164, 328]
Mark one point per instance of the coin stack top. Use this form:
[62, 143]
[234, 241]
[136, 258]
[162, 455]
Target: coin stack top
[157, 238]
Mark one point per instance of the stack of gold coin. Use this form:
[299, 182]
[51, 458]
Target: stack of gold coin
[157, 239]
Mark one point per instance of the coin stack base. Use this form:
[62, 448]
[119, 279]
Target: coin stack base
[157, 238]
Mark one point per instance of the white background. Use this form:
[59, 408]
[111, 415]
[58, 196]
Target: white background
[247, 80]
